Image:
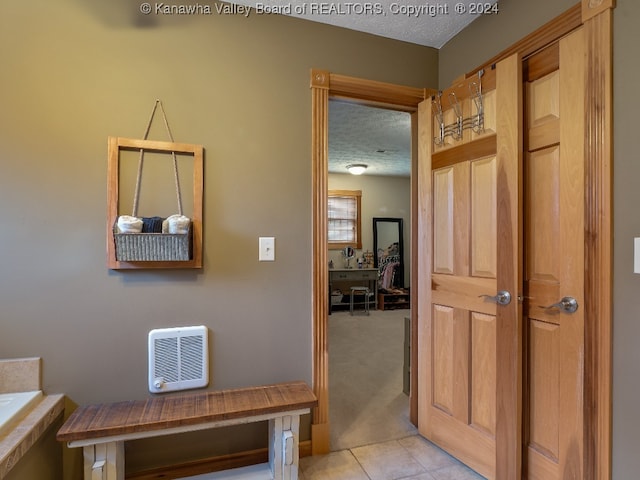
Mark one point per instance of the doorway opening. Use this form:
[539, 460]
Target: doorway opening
[369, 342]
[324, 86]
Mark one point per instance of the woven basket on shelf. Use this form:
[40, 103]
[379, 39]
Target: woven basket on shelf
[153, 247]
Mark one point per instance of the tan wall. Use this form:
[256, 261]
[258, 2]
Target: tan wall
[74, 73]
[486, 37]
[626, 284]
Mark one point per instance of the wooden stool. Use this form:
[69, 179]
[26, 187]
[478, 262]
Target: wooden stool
[360, 291]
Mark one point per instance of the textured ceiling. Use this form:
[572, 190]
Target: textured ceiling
[376, 137]
[431, 24]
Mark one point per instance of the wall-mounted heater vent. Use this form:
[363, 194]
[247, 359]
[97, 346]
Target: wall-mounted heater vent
[178, 359]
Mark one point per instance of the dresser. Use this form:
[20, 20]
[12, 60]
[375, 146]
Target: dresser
[344, 278]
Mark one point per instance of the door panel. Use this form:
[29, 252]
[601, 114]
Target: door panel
[554, 269]
[544, 106]
[443, 358]
[470, 400]
[483, 378]
[483, 217]
[542, 201]
[544, 343]
[443, 241]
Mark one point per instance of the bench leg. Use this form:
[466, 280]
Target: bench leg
[284, 451]
[104, 461]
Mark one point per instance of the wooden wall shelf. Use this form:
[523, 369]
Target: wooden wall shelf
[116, 145]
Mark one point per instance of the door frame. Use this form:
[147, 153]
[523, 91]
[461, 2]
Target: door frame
[326, 85]
[596, 16]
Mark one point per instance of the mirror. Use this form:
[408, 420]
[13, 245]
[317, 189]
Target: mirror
[388, 252]
[348, 253]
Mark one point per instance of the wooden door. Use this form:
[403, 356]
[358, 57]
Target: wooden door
[554, 267]
[469, 345]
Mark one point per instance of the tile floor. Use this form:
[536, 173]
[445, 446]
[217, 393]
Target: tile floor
[410, 458]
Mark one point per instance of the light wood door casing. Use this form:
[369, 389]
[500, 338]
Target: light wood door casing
[554, 235]
[470, 350]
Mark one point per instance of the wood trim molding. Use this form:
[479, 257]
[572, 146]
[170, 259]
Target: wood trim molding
[324, 85]
[320, 274]
[598, 245]
[320, 79]
[370, 92]
[592, 8]
[540, 38]
[414, 283]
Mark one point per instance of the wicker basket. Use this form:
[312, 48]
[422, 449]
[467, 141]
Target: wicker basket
[153, 247]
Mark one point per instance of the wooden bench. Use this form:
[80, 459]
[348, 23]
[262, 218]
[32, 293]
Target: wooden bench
[102, 429]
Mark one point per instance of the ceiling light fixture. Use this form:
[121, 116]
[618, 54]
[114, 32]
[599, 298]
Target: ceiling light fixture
[357, 168]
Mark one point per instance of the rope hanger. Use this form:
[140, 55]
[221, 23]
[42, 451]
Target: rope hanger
[136, 195]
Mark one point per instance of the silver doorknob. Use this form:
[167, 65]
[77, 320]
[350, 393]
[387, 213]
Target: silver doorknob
[566, 305]
[501, 298]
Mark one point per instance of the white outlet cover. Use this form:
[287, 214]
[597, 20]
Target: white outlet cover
[636, 255]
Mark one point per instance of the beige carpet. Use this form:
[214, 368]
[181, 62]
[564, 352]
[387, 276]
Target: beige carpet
[366, 402]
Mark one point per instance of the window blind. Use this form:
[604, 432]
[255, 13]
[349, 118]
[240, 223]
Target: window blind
[343, 217]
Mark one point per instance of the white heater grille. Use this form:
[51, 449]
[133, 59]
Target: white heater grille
[178, 359]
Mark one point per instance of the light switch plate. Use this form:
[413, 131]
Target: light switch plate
[636, 255]
[267, 249]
